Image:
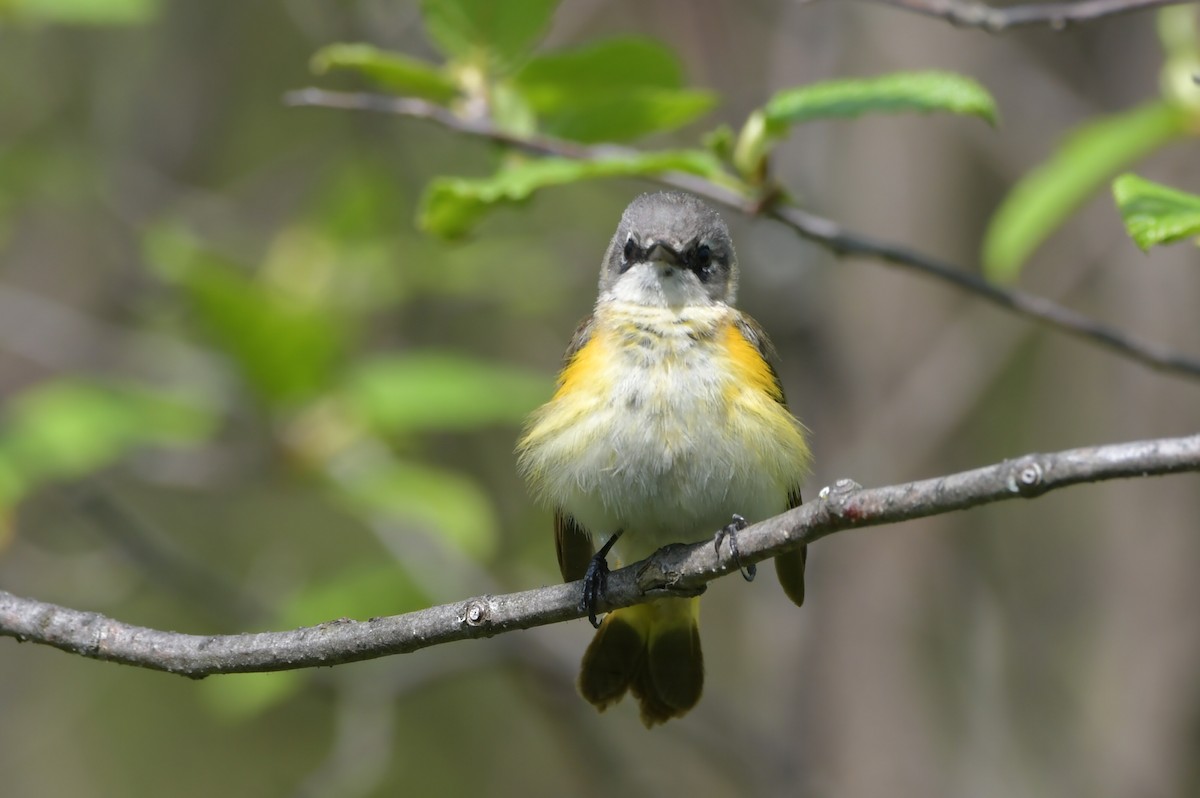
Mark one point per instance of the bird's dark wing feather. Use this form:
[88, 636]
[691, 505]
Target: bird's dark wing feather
[574, 547]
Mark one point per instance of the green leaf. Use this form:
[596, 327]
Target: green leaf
[82, 12]
[395, 72]
[497, 32]
[68, 428]
[286, 344]
[431, 391]
[1043, 199]
[901, 91]
[611, 65]
[613, 90]
[639, 113]
[286, 347]
[450, 505]
[1154, 213]
[451, 206]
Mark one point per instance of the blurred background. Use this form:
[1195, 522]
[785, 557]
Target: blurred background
[242, 391]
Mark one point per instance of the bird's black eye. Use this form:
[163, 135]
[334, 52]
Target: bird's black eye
[630, 249]
[630, 252]
[699, 260]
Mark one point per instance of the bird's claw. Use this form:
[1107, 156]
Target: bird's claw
[595, 581]
[730, 531]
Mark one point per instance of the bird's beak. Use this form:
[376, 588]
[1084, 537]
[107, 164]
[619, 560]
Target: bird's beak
[661, 252]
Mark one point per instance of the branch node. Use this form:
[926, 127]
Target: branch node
[477, 612]
[1026, 478]
[840, 489]
[837, 498]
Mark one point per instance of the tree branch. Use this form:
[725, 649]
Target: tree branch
[971, 14]
[823, 231]
[672, 570]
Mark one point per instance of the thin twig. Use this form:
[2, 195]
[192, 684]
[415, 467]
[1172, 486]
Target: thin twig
[971, 14]
[813, 227]
[675, 569]
[1031, 306]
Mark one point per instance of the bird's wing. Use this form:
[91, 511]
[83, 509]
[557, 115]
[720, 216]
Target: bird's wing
[789, 567]
[574, 547]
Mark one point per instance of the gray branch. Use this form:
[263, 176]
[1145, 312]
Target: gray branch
[815, 228]
[972, 14]
[680, 569]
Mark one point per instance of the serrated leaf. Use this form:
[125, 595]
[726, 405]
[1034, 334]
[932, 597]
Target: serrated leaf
[614, 90]
[393, 71]
[451, 206]
[1154, 213]
[452, 507]
[497, 33]
[432, 391]
[901, 91]
[68, 428]
[1043, 199]
[83, 12]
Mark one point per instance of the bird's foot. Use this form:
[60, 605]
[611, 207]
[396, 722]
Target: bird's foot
[595, 581]
[730, 531]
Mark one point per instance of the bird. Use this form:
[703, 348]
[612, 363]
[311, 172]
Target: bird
[668, 422]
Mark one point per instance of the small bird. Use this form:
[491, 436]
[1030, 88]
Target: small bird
[667, 422]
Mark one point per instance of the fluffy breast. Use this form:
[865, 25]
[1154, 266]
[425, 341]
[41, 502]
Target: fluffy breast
[663, 426]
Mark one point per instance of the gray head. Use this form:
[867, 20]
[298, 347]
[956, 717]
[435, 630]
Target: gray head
[670, 250]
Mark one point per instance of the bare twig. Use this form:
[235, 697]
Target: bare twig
[1031, 306]
[972, 14]
[813, 227]
[671, 570]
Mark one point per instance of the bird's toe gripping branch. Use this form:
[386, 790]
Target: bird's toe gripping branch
[595, 580]
[730, 531]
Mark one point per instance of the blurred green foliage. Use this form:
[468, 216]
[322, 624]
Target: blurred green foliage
[1098, 150]
[80, 12]
[289, 327]
[294, 320]
[616, 89]
[612, 90]
[354, 365]
[71, 427]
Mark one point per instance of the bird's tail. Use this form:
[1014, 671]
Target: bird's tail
[651, 650]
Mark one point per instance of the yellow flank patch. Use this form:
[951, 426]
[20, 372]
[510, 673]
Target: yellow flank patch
[585, 367]
[751, 368]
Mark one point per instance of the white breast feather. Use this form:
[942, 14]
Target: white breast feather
[658, 455]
